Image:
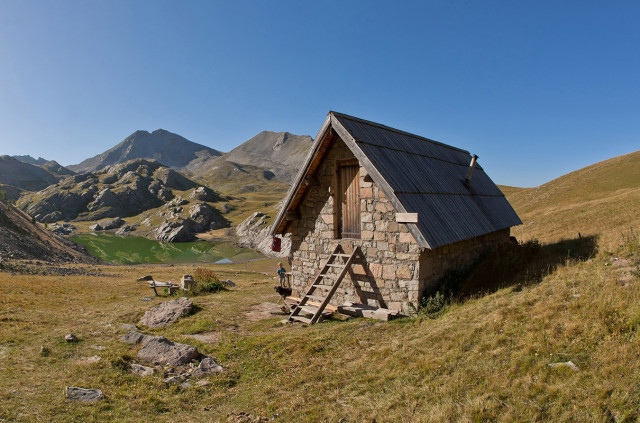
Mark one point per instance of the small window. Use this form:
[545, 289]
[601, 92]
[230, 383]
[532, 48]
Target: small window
[349, 201]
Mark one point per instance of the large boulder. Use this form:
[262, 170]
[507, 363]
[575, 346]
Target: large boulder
[175, 231]
[160, 350]
[205, 217]
[255, 232]
[166, 313]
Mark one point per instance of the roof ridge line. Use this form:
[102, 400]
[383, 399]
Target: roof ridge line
[417, 154]
[389, 128]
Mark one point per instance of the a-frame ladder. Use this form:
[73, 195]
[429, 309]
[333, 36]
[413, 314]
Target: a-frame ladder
[314, 293]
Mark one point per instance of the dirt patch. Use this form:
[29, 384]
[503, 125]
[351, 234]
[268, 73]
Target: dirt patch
[626, 270]
[208, 337]
[265, 311]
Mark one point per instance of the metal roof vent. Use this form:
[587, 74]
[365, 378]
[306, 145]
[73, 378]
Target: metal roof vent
[472, 166]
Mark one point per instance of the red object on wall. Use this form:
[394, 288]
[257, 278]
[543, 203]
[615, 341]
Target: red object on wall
[276, 244]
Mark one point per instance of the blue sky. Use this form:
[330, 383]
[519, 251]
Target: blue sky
[535, 88]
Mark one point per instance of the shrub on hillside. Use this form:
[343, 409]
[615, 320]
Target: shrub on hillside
[431, 307]
[206, 281]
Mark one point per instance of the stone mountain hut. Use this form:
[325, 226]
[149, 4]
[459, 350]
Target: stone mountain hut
[414, 208]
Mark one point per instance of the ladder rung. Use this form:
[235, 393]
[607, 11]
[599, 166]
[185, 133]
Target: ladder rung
[334, 265]
[309, 309]
[321, 286]
[341, 255]
[300, 319]
[315, 298]
[324, 275]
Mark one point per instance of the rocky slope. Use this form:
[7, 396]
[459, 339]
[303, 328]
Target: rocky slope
[31, 160]
[174, 207]
[168, 148]
[277, 154]
[22, 238]
[25, 176]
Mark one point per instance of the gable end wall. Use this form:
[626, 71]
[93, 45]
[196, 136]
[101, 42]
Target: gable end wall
[396, 271]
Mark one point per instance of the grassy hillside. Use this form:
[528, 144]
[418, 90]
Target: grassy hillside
[483, 357]
[602, 199]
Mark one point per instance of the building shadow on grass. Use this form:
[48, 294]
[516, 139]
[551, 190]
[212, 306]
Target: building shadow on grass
[514, 265]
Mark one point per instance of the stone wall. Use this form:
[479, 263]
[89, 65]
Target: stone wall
[435, 263]
[389, 275]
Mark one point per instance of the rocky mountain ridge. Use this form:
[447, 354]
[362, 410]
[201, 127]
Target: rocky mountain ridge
[170, 149]
[126, 190]
[279, 154]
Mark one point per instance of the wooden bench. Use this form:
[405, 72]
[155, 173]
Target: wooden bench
[156, 284]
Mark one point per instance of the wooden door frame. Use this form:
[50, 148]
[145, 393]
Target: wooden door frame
[340, 196]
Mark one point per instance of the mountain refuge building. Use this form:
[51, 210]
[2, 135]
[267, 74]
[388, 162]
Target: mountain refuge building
[412, 208]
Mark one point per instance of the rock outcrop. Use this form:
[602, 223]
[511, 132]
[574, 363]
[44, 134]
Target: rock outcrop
[166, 313]
[121, 190]
[254, 232]
[160, 350]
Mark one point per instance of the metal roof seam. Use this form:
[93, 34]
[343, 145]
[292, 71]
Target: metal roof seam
[415, 154]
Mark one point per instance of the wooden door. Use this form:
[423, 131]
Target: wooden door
[349, 206]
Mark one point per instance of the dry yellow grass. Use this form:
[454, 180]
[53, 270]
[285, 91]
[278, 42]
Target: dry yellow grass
[602, 199]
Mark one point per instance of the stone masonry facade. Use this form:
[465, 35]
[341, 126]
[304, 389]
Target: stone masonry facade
[394, 272]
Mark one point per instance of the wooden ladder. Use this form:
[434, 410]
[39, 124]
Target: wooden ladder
[338, 252]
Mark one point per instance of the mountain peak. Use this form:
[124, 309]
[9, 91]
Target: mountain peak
[165, 147]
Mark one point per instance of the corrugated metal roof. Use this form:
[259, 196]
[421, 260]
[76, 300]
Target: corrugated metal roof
[425, 177]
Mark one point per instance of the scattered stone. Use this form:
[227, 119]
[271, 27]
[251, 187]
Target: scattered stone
[92, 359]
[229, 283]
[135, 338]
[566, 364]
[128, 326]
[99, 347]
[160, 350]
[146, 299]
[173, 380]
[44, 351]
[166, 313]
[62, 230]
[185, 385]
[83, 394]
[141, 370]
[203, 382]
[70, 337]
[207, 366]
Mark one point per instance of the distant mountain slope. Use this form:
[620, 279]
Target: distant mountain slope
[602, 199]
[20, 238]
[56, 168]
[279, 153]
[163, 146]
[120, 190]
[23, 175]
[30, 160]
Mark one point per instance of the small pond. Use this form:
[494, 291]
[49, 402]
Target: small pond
[134, 250]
